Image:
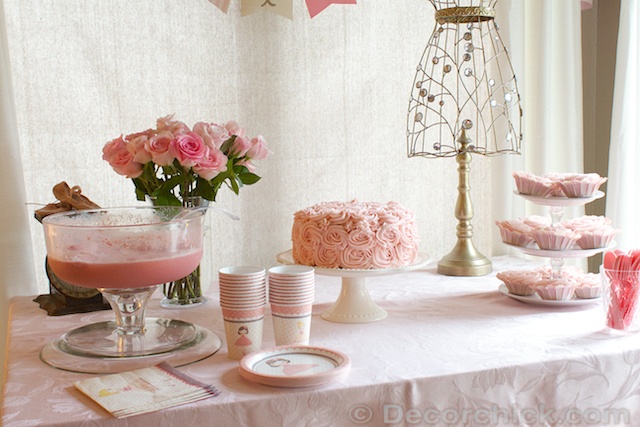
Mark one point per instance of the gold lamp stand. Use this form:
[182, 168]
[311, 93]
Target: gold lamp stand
[464, 259]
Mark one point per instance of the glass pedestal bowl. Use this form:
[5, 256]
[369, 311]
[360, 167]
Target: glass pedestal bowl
[126, 253]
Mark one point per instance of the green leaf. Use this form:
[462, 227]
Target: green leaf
[234, 186]
[167, 199]
[248, 178]
[226, 146]
[205, 189]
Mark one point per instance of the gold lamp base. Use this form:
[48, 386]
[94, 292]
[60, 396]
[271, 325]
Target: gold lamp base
[464, 259]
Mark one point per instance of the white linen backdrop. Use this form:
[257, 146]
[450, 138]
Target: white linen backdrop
[329, 94]
[624, 155]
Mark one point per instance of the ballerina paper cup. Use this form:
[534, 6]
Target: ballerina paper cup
[243, 337]
[621, 299]
[291, 323]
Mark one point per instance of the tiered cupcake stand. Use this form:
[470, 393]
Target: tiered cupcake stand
[556, 207]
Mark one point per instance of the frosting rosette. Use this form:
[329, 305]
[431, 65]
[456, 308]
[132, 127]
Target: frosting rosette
[361, 235]
[354, 258]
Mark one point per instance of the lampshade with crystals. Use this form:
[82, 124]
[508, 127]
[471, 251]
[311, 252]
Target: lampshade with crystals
[464, 101]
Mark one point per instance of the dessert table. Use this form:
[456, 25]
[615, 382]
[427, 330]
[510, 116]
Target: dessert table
[453, 350]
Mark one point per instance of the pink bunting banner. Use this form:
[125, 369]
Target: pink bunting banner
[317, 6]
[223, 5]
[280, 7]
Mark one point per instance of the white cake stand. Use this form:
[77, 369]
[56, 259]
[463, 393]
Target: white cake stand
[354, 305]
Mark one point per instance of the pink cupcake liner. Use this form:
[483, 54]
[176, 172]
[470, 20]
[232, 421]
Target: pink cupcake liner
[516, 238]
[588, 292]
[581, 187]
[555, 289]
[555, 239]
[596, 239]
[521, 289]
[528, 183]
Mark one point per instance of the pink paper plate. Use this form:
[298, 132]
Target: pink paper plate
[295, 366]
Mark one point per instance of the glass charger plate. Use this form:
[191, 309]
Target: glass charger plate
[295, 366]
[560, 201]
[204, 345]
[570, 253]
[535, 299]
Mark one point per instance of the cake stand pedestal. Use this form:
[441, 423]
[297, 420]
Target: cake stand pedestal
[354, 304]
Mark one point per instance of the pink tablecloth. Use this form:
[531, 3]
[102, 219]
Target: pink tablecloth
[453, 350]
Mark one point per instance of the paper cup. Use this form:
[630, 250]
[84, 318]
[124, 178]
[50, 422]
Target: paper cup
[291, 330]
[243, 337]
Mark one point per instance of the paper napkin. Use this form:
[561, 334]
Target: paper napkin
[144, 390]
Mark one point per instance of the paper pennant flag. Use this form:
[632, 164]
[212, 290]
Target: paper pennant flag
[281, 7]
[317, 6]
[223, 5]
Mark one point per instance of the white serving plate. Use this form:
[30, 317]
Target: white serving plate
[535, 299]
[560, 201]
[569, 253]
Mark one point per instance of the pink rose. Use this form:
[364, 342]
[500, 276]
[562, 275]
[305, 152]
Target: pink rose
[136, 145]
[212, 164]
[174, 126]
[247, 164]
[121, 160]
[234, 128]
[240, 146]
[159, 148]
[188, 148]
[212, 134]
[258, 150]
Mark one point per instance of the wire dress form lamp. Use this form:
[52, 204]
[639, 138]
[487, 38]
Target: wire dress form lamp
[464, 100]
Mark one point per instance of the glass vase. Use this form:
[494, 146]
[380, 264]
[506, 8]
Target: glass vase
[189, 291]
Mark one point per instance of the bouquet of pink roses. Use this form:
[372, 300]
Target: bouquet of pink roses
[173, 163]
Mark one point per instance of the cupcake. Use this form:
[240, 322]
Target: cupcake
[519, 282]
[600, 238]
[588, 286]
[556, 178]
[515, 232]
[582, 185]
[530, 184]
[586, 222]
[555, 289]
[537, 221]
[555, 238]
[567, 272]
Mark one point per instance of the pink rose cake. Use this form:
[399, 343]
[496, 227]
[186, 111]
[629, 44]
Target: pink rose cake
[355, 235]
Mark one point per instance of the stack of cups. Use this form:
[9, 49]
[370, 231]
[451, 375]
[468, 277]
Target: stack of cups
[243, 295]
[291, 292]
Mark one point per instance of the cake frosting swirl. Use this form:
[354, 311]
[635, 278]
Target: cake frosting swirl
[355, 235]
